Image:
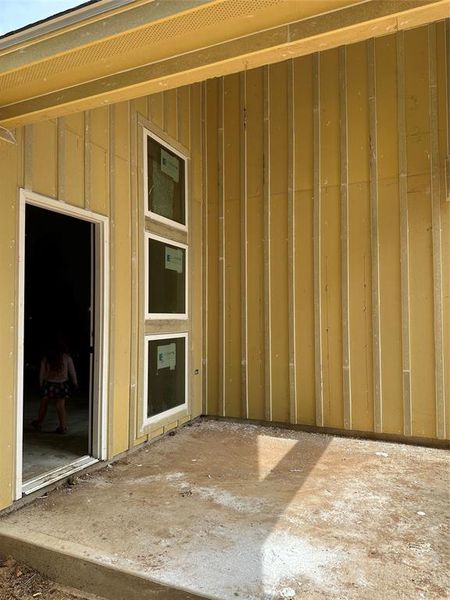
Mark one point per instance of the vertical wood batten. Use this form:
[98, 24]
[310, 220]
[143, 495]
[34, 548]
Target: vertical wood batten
[345, 281]
[447, 55]
[112, 271]
[267, 282]
[192, 274]
[205, 255]
[437, 237]
[177, 114]
[164, 110]
[317, 246]
[9, 228]
[244, 244]
[291, 247]
[21, 157]
[135, 339]
[87, 160]
[374, 236]
[222, 233]
[195, 116]
[213, 249]
[447, 229]
[404, 236]
[61, 159]
[28, 157]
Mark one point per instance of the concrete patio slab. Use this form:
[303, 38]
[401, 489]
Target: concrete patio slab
[224, 510]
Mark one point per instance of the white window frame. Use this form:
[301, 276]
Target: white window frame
[165, 316]
[99, 450]
[149, 213]
[179, 410]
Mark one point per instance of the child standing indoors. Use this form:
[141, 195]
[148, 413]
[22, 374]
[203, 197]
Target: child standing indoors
[56, 373]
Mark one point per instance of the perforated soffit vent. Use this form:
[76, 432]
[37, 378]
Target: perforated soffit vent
[146, 37]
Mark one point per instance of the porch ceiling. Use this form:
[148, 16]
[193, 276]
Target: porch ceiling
[148, 46]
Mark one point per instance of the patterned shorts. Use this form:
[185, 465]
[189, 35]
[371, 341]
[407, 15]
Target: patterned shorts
[56, 391]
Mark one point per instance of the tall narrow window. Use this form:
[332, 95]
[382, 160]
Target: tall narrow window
[166, 369]
[165, 183]
[166, 349]
[166, 281]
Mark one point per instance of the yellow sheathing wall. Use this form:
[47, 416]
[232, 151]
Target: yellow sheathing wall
[10, 173]
[91, 160]
[327, 238]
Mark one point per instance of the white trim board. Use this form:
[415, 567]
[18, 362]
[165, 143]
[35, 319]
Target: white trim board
[102, 291]
[32, 485]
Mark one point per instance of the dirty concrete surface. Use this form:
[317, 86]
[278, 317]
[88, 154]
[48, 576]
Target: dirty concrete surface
[19, 582]
[243, 511]
[45, 450]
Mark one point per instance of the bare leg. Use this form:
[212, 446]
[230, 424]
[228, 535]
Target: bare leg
[61, 410]
[42, 409]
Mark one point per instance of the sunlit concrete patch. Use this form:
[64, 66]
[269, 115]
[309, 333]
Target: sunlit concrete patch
[253, 564]
[241, 511]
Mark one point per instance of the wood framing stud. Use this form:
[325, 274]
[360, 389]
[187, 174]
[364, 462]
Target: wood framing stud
[404, 235]
[374, 240]
[317, 246]
[291, 247]
[345, 253]
[437, 237]
[267, 278]
[244, 244]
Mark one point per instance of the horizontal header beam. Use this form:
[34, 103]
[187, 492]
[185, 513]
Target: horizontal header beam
[349, 25]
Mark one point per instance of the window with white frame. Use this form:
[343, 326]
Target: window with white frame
[166, 368]
[166, 278]
[165, 184]
[165, 170]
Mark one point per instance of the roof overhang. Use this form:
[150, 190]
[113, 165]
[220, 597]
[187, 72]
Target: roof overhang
[145, 46]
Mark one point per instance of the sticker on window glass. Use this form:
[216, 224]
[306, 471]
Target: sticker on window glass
[170, 165]
[162, 192]
[167, 357]
[174, 259]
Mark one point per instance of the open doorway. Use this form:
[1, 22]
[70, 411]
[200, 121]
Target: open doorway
[62, 316]
[58, 318]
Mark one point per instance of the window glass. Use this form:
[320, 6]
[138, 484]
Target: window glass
[166, 374]
[166, 182]
[166, 278]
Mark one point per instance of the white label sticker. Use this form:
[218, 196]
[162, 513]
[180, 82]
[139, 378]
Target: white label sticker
[174, 259]
[161, 194]
[167, 357]
[170, 165]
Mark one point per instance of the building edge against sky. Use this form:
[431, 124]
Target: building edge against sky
[318, 233]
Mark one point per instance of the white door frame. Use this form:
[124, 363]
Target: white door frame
[101, 353]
